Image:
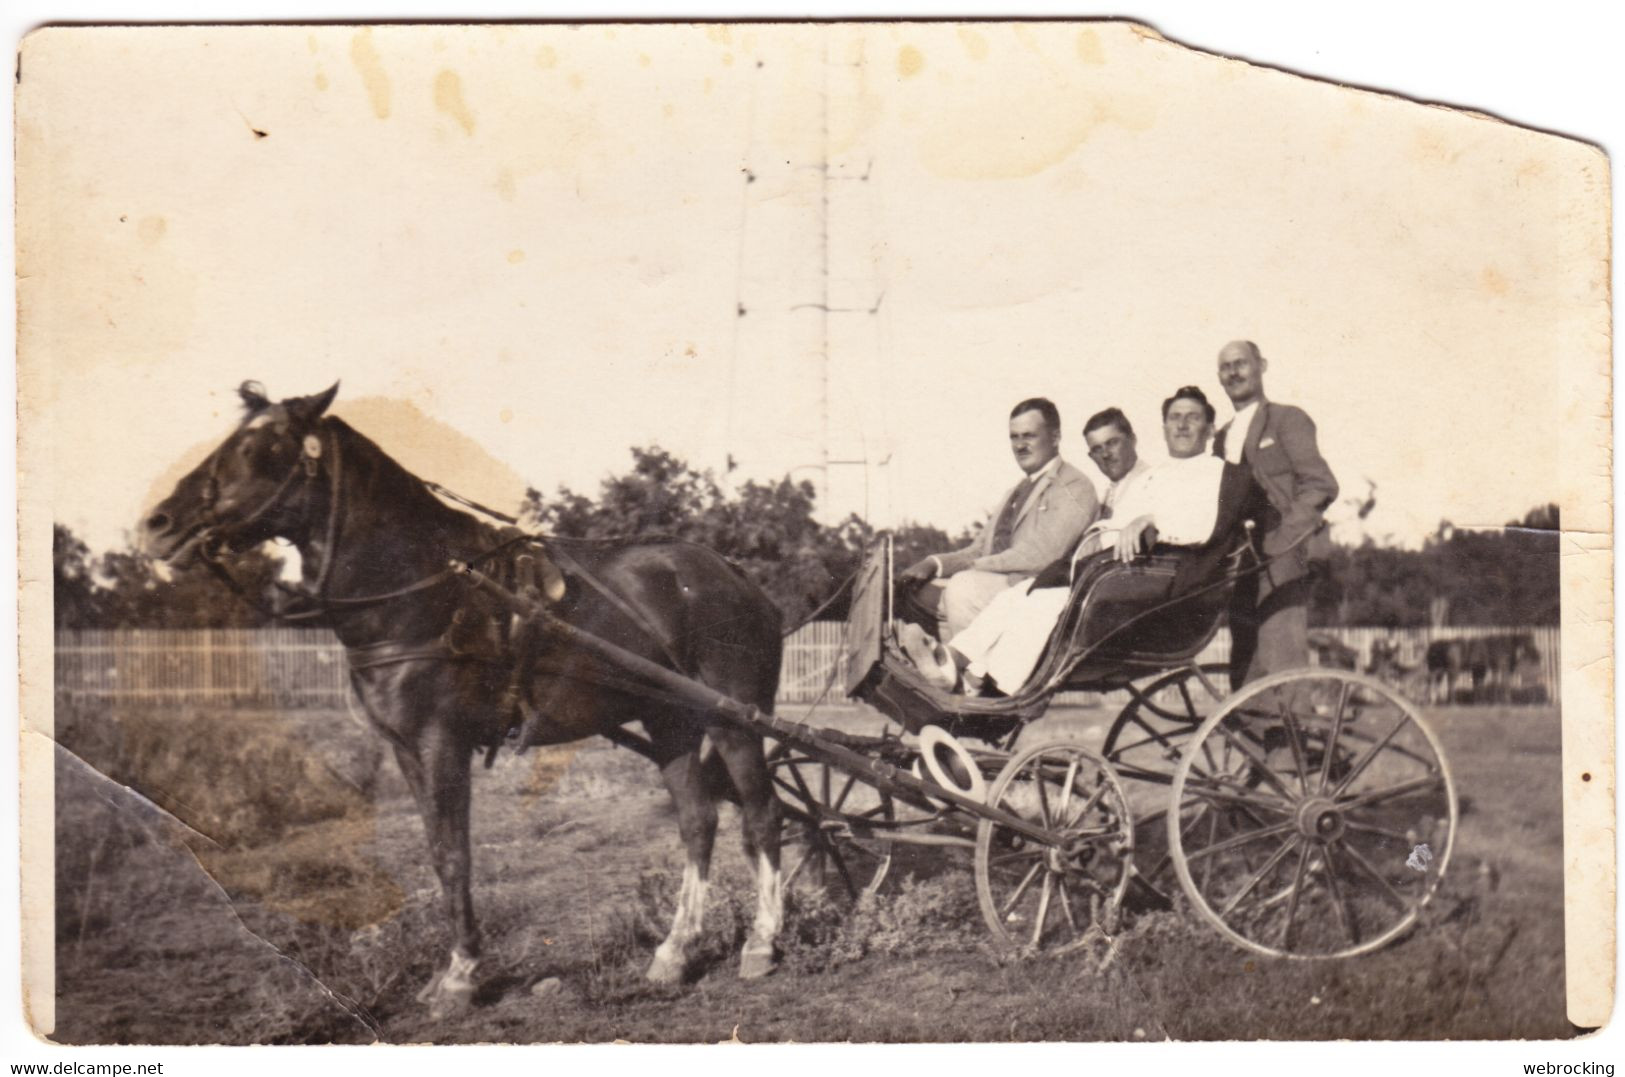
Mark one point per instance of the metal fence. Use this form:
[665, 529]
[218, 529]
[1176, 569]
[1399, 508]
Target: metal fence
[305, 666]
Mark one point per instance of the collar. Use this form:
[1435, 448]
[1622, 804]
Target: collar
[1046, 471]
[1140, 468]
[1235, 441]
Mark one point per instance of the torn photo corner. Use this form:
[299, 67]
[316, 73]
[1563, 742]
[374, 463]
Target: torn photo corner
[417, 416]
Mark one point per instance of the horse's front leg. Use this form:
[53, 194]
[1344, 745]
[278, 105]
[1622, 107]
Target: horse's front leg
[438, 772]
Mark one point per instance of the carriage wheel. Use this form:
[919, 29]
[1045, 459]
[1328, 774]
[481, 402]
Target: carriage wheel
[1316, 815]
[1040, 897]
[834, 835]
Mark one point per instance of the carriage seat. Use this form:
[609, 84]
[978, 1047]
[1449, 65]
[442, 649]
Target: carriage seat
[1157, 611]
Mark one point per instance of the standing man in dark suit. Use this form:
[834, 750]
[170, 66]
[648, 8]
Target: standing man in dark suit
[1037, 521]
[1269, 612]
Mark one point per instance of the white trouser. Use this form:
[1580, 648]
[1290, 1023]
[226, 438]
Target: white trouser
[1005, 640]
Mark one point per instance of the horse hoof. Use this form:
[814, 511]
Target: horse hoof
[754, 964]
[450, 1004]
[665, 970]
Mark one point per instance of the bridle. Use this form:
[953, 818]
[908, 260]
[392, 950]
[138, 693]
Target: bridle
[313, 449]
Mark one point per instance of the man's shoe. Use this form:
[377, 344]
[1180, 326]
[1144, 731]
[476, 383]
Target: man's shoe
[922, 651]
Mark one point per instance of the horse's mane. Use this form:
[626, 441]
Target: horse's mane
[388, 477]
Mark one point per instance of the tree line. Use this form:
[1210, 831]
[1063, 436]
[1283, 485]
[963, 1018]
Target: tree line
[1497, 576]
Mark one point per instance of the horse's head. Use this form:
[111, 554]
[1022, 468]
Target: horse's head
[250, 488]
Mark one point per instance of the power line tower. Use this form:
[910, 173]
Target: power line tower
[807, 383]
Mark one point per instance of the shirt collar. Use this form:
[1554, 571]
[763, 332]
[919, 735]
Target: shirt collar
[1047, 469]
[1241, 426]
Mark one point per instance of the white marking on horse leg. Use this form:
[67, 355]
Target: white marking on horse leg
[671, 958]
[453, 990]
[757, 958]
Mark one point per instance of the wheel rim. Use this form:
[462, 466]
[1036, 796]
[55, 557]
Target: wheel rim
[1316, 815]
[1040, 897]
[829, 841]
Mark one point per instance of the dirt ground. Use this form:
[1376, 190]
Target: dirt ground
[270, 884]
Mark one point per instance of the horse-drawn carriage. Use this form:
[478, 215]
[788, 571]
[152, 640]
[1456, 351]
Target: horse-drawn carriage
[1309, 814]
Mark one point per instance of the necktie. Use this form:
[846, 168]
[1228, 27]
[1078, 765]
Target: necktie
[1007, 519]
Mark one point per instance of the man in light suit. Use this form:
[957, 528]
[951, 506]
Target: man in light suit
[1269, 611]
[1037, 521]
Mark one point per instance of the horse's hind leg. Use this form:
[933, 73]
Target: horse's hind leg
[741, 753]
[438, 774]
[697, 822]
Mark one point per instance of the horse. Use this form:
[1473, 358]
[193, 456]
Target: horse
[439, 671]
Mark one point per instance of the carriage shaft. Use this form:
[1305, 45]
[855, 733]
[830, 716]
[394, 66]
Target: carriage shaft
[878, 773]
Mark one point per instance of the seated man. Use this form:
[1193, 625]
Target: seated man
[1036, 522]
[1175, 503]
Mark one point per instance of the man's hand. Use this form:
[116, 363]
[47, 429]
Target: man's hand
[921, 570]
[1130, 538]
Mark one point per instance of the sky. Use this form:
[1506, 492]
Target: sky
[561, 242]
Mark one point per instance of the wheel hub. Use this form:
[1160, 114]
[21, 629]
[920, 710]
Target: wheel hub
[1320, 818]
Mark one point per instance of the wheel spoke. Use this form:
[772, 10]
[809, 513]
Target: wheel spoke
[1088, 806]
[1377, 796]
[1379, 831]
[1370, 755]
[1043, 908]
[801, 864]
[1240, 839]
[1249, 798]
[1021, 887]
[1258, 876]
[1066, 904]
[1212, 836]
[795, 772]
[839, 861]
[846, 790]
[1292, 899]
[1337, 732]
[1299, 760]
[1365, 865]
[1261, 766]
[1345, 914]
[1043, 797]
[1066, 791]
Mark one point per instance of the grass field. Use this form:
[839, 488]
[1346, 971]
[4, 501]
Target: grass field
[255, 877]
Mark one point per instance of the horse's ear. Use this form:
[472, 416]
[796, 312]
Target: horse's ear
[311, 408]
[253, 395]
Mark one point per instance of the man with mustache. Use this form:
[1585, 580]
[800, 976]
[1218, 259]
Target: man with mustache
[1037, 521]
[1269, 610]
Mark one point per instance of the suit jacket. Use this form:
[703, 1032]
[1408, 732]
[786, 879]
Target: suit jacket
[1285, 462]
[1057, 511]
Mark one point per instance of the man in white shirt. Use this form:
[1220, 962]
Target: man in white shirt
[1175, 503]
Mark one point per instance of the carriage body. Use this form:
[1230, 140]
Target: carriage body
[1122, 623]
